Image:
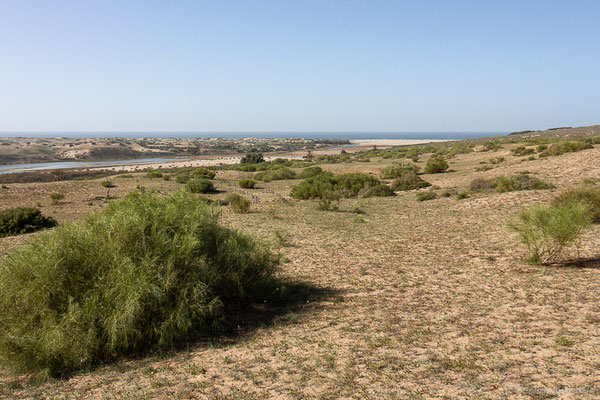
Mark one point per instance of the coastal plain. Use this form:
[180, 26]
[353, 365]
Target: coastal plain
[402, 299]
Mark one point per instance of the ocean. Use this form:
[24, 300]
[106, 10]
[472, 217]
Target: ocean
[235, 135]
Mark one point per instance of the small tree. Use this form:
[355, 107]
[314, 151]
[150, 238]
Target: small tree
[108, 185]
[252, 158]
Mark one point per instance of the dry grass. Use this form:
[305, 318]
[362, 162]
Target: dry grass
[421, 299]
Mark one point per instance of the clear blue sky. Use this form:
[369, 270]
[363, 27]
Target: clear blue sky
[302, 65]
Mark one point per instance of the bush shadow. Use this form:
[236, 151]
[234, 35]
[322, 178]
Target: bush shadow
[287, 299]
[580, 263]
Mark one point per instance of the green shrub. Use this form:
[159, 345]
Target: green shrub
[380, 190]
[203, 173]
[17, 221]
[522, 151]
[182, 178]
[481, 185]
[345, 185]
[590, 139]
[436, 165]
[546, 230]
[492, 146]
[349, 185]
[409, 181]
[200, 186]
[398, 169]
[462, 195]
[124, 176]
[278, 174]
[519, 182]
[154, 174]
[252, 158]
[504, 184]
[246, 167]
[587, 195]
[237, 203]
[247, 183]
[326, 202]
[424, 196]
[310, 172]
[557, 149]
[56, 197]
[149, 272]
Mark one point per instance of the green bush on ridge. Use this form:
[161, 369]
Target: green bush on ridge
[147, 272]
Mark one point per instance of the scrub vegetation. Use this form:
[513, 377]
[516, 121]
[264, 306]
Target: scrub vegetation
[393, 281]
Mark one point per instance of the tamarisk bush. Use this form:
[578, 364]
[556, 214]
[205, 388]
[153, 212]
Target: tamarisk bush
[148, 272]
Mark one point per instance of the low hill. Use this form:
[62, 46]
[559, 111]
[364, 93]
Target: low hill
[565, 132]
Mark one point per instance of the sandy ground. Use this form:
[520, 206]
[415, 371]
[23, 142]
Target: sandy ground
[410, 300]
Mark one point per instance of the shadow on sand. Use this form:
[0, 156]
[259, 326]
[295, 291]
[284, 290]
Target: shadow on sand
[285, 304]
[580, 263]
